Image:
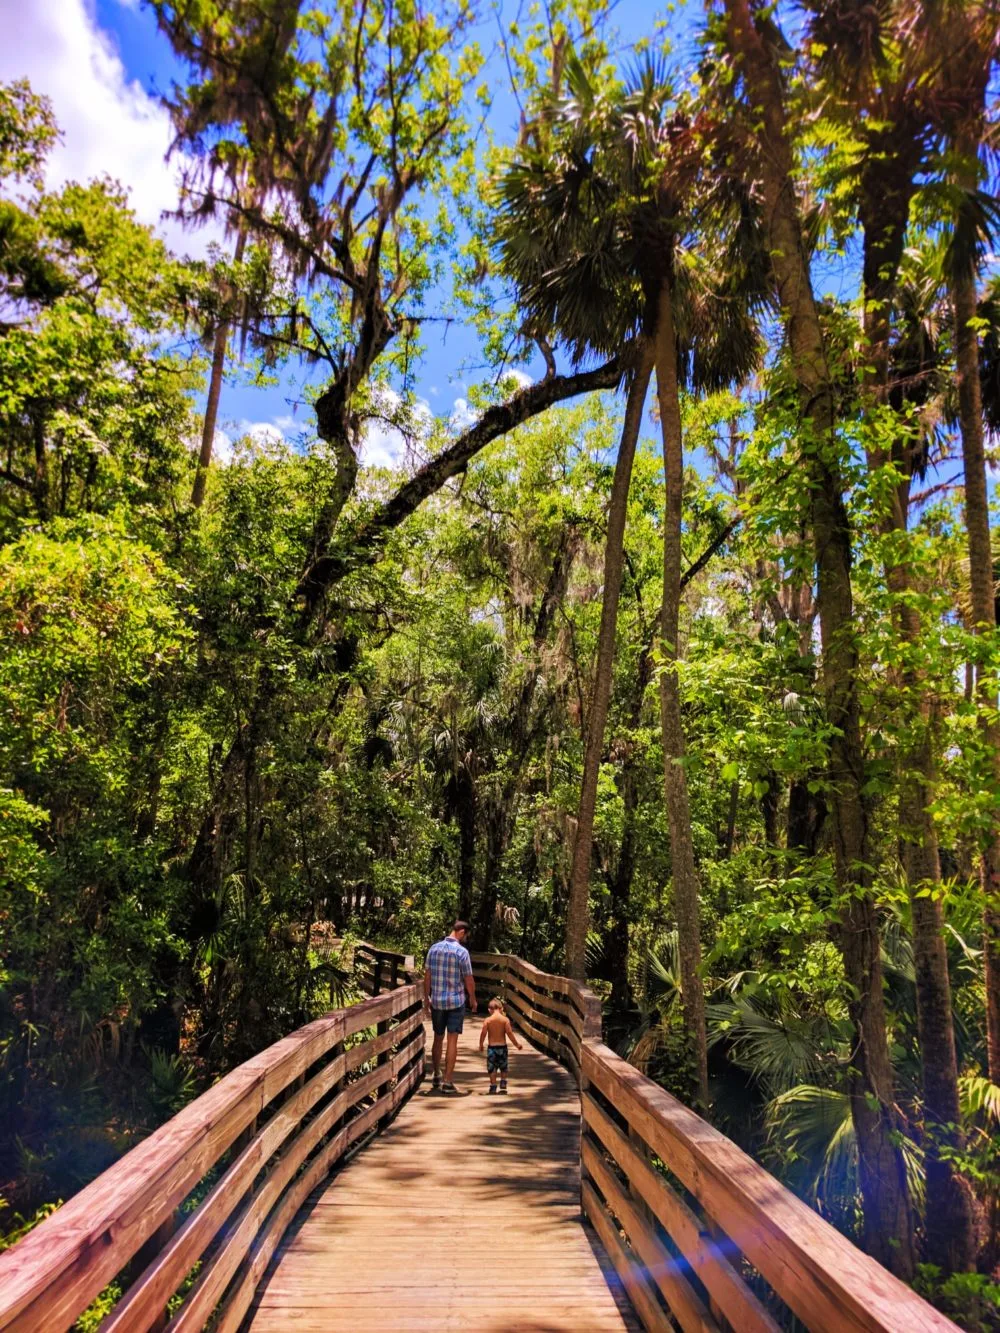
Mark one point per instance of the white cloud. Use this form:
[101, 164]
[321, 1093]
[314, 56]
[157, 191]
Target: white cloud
[462, 415]
[521, 380]
[110, 124]
[389, 436]
[222, 448]
[244, 440]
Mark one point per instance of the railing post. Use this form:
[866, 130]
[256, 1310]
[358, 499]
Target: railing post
[584, 1086]
[393, 982]
[377, 976]
[593, 1023]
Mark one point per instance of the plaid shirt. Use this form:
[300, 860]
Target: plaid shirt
[448, 963]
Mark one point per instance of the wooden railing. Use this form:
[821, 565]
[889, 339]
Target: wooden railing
[377, 970]
[556, 1013]
[241, 1159]
[700, 1234]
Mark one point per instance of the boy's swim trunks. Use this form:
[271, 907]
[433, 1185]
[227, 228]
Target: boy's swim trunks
[496, 1059]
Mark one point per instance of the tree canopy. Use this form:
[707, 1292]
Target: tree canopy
[693, 695]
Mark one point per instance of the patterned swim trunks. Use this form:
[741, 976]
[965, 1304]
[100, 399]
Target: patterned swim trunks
[496, 1059]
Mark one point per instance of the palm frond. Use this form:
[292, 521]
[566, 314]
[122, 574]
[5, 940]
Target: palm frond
[979, 1097]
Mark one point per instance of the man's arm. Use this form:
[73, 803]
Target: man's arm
[427, 983]
[470, 991]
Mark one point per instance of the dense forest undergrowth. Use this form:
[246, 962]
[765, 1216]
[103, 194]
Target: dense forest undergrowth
[691, 692]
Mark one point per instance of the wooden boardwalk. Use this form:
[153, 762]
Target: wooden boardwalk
[463, 1214]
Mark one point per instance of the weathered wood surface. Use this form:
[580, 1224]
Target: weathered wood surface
[463, 1214]
[49, 1277]
[829, 1283]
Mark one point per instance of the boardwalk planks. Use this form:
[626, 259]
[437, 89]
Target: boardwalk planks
[463, 1214]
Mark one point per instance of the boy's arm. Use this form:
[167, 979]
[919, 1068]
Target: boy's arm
[513, 1035]
[482, 1032]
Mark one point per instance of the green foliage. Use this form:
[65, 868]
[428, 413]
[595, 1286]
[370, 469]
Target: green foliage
[27, 131]
[971, 1299]
[215, 764]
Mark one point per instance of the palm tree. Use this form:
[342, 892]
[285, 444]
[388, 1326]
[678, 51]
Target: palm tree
[567, 239]
[755, 46]
[965, 34]
[706, 334]
[873, 81]
[592, 220]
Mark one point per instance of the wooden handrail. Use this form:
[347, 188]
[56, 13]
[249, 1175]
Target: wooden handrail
[556, 1013]
[701, 1235]
[275, 1127]
[378, 970]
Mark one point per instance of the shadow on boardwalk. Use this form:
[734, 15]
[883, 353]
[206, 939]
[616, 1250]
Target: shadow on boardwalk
[463, 1214]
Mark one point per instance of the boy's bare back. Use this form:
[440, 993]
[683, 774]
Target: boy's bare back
[496, 1027]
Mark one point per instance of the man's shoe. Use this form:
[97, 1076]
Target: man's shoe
[449, 1089]
[436, 1083]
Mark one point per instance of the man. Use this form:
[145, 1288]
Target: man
[448, 983]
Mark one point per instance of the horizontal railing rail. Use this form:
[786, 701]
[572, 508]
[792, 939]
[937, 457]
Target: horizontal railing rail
[556, 1013]
[700, 1234]
[191, 1217]
[377, 970]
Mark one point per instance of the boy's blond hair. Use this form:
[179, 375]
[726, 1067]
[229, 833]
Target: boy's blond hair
[495, 1003]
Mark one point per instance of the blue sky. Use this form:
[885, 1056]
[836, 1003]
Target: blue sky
[104, 66]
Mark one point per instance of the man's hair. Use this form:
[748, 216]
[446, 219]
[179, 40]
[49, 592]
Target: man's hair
[495, 1003]
[460, 925]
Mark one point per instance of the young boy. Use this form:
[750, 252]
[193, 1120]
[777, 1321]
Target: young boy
[496, 1029]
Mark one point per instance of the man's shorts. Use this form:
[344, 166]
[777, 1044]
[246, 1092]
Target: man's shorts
[447, 1020]
[496, 1059]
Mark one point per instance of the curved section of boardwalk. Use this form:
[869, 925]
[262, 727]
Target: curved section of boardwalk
[463, 1214]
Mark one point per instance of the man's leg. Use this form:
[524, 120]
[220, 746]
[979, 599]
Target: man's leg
[436, 1045]
[450, 1056]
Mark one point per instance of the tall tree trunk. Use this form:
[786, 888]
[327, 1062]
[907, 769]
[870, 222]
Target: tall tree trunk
[949, 1224]
[888, 1224]
[578, 907]
[620, 881]
[687, 890]
[806, 815]
[465, 811]
[982, 598]
[214, 391]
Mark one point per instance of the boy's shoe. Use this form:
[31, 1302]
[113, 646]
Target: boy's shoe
[449, 1089]
[503, 1088]
[492, 1091]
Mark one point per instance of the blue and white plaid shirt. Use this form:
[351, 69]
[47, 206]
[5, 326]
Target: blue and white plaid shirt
[448, 963]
